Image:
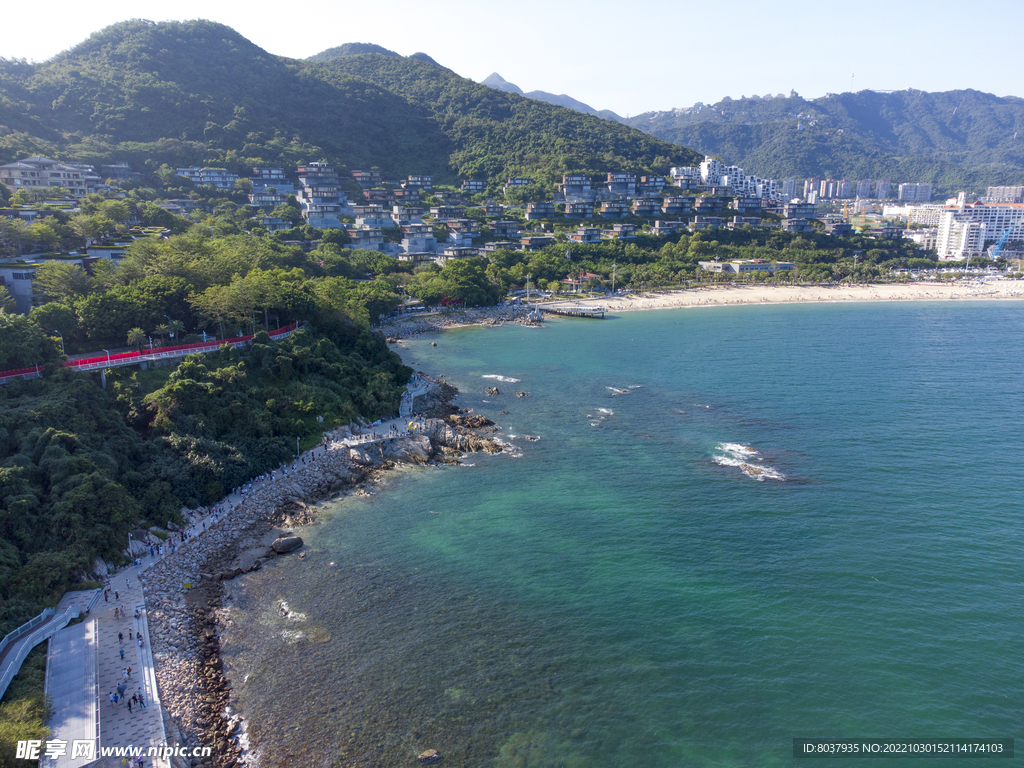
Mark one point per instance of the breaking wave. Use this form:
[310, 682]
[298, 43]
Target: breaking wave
[740, 456]
[495, 376]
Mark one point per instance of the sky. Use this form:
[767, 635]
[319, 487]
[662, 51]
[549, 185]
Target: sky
[629, 57]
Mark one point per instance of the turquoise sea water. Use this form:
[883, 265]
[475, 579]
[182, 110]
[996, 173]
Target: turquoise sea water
[625, 594]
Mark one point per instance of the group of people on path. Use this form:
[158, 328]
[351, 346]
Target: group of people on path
[120, 696]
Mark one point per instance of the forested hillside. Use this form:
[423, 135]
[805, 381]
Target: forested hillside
[956, 139]
[82, 466]
[199, 93]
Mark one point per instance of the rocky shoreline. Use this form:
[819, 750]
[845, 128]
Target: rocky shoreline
[410, 326]
[186, 595]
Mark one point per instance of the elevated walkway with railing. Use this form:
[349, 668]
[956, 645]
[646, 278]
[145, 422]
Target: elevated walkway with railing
[15, 647]
[102, 362]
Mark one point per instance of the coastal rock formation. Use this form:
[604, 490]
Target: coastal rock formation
[414, 449]
[470, 422]
[286, 544]
[493, 392]
[429, 756]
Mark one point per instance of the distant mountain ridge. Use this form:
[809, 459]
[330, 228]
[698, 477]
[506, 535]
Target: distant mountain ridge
[198, 93]
[953, 139]
[494, 80]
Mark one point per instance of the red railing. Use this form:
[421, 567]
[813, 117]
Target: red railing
[157, 353]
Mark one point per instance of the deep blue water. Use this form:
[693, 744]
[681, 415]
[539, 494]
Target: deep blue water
[624, 593]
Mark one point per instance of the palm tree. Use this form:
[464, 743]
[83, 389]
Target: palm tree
[136, 337]
[162, 330]
[176, 327]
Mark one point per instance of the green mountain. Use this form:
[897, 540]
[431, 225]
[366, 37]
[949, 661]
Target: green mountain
[494, 80]
[954, 139]
[197, 92]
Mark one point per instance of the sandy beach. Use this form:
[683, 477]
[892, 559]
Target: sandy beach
[771, 294]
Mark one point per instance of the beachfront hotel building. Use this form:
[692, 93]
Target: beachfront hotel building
[965, 230]
[741, 266]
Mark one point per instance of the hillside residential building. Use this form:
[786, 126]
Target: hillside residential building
[707, 222]
[380, 196]
[505, 229]
[501, 245]
[621, 231]
[613, 210]
[864, 189]
[579, 211]
[797, 225]
[586, 235]
[418, 181]
[839, 228]
[576, 188]
[708, 204]
[647, 208]
[881, 189]
[920, 193]
[453, 252]
[369, 239]
[446, 212]
[406, 214]
[744, 221]
[272, 223]
[371, 178]
[798, 210]
[518, 181]
[968, 230]
[787, 190]
[263, 178]
[474, 186]
[662, 227]
[673, 206]
[267, 200]
[686, 177]
[1005, 195]
[317, 173]
[651, 186]
[536, 211]
[746, 204]
[35, 172]
[372, 217]
[621, 184]
[418, 238]
[536, 242]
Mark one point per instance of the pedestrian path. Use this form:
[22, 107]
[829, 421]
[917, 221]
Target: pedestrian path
[98, 679]
[142, 725]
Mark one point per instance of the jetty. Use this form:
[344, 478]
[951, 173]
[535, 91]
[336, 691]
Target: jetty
[575, 311]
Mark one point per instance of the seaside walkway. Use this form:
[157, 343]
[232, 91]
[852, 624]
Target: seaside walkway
[84, 663]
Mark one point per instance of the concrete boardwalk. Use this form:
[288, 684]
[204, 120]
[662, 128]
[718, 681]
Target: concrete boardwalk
[91, 665]
[142, 726]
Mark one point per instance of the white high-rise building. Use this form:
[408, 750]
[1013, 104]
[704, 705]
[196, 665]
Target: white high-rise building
[964, 231]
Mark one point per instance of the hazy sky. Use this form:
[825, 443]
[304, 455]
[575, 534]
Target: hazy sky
[628, 56]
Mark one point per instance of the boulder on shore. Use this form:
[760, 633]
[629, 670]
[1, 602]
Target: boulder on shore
[414, 449]
[286, 544]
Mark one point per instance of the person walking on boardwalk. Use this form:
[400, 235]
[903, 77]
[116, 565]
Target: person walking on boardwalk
[120, 638]
[111, 697]
[142, 701]
[122, 654]
[129, 702]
